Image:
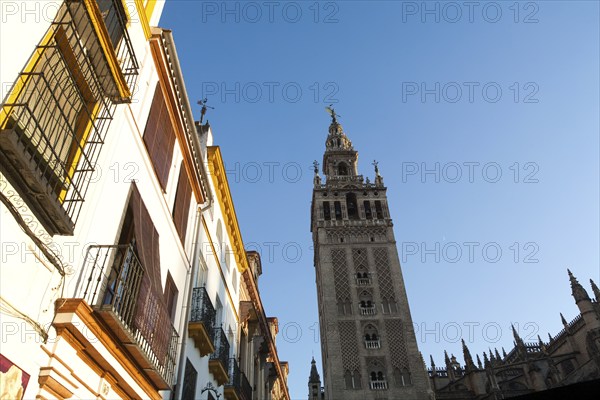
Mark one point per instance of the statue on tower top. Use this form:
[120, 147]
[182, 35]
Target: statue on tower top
[331, 112]
[317, 179]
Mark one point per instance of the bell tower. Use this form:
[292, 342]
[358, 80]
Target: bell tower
[368, 344]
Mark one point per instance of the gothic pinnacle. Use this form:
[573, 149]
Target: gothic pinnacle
[595, 290]
[579, 292]
[432, 362]
[563, 320]
[469, 365]
[479, 365]
[518, 339]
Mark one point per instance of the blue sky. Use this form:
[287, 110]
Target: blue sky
[499, 89]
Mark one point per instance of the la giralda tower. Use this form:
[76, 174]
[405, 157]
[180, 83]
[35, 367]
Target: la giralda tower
[368, 343]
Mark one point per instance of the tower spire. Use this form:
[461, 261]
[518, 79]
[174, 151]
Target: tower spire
[314, 382]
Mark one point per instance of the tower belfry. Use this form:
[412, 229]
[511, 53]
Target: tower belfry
[368, 344]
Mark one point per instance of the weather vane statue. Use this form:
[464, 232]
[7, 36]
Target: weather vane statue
[331, 112]
[204, 108]
[317, 178]
[376, 165]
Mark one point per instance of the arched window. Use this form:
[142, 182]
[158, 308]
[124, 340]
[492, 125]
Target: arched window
[342, 169]
[371, 337]
[406, 379]
[367, 306]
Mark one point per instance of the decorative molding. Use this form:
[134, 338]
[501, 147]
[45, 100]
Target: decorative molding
[219, 176]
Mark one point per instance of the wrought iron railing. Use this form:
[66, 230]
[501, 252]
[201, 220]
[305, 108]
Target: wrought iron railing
[116, 283]
[203, 311]
[221, 352]
[52, 129]
[372, 344]
[105, 43]
[238, 381]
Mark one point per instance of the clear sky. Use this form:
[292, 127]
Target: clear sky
[500, 98]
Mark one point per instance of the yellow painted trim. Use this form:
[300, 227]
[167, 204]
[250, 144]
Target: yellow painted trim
[106, 44]
[144, 17]
[150, 9]
[214, 251]
[217, 172]
[21, 82]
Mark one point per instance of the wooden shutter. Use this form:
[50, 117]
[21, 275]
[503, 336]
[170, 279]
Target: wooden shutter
[159, 137]
[183, 197]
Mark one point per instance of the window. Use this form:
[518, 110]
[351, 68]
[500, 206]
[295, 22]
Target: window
[159, 137]
[352, 379]
[46, 122]
[234, 280]
[378, 381]
[326, 211]
[55, 118]
[368, 212]
[189, 382]
[342, 169]
[220, 245]
[181, 209]
[378, 209]
[112, 12]
[351, 204]
[171, 294]
[227, 257]
[338, 210]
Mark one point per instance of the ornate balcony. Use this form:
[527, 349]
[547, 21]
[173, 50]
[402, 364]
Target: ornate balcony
[52, 128]
[363, 281]
[378, 385]
[367, 310]
[218, 362]
[202, 319]
[372, 344]
[53, 123]
[238, 387]
[121, 296]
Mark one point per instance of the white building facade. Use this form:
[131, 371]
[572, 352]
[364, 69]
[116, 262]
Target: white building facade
[122, 262]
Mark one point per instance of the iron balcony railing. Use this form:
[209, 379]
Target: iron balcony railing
[221, 352]
[203, 310]
[102, 28]
[238, 381]
[372, 344]
[119, 290]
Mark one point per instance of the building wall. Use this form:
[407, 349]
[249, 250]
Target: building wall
[31, 285]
